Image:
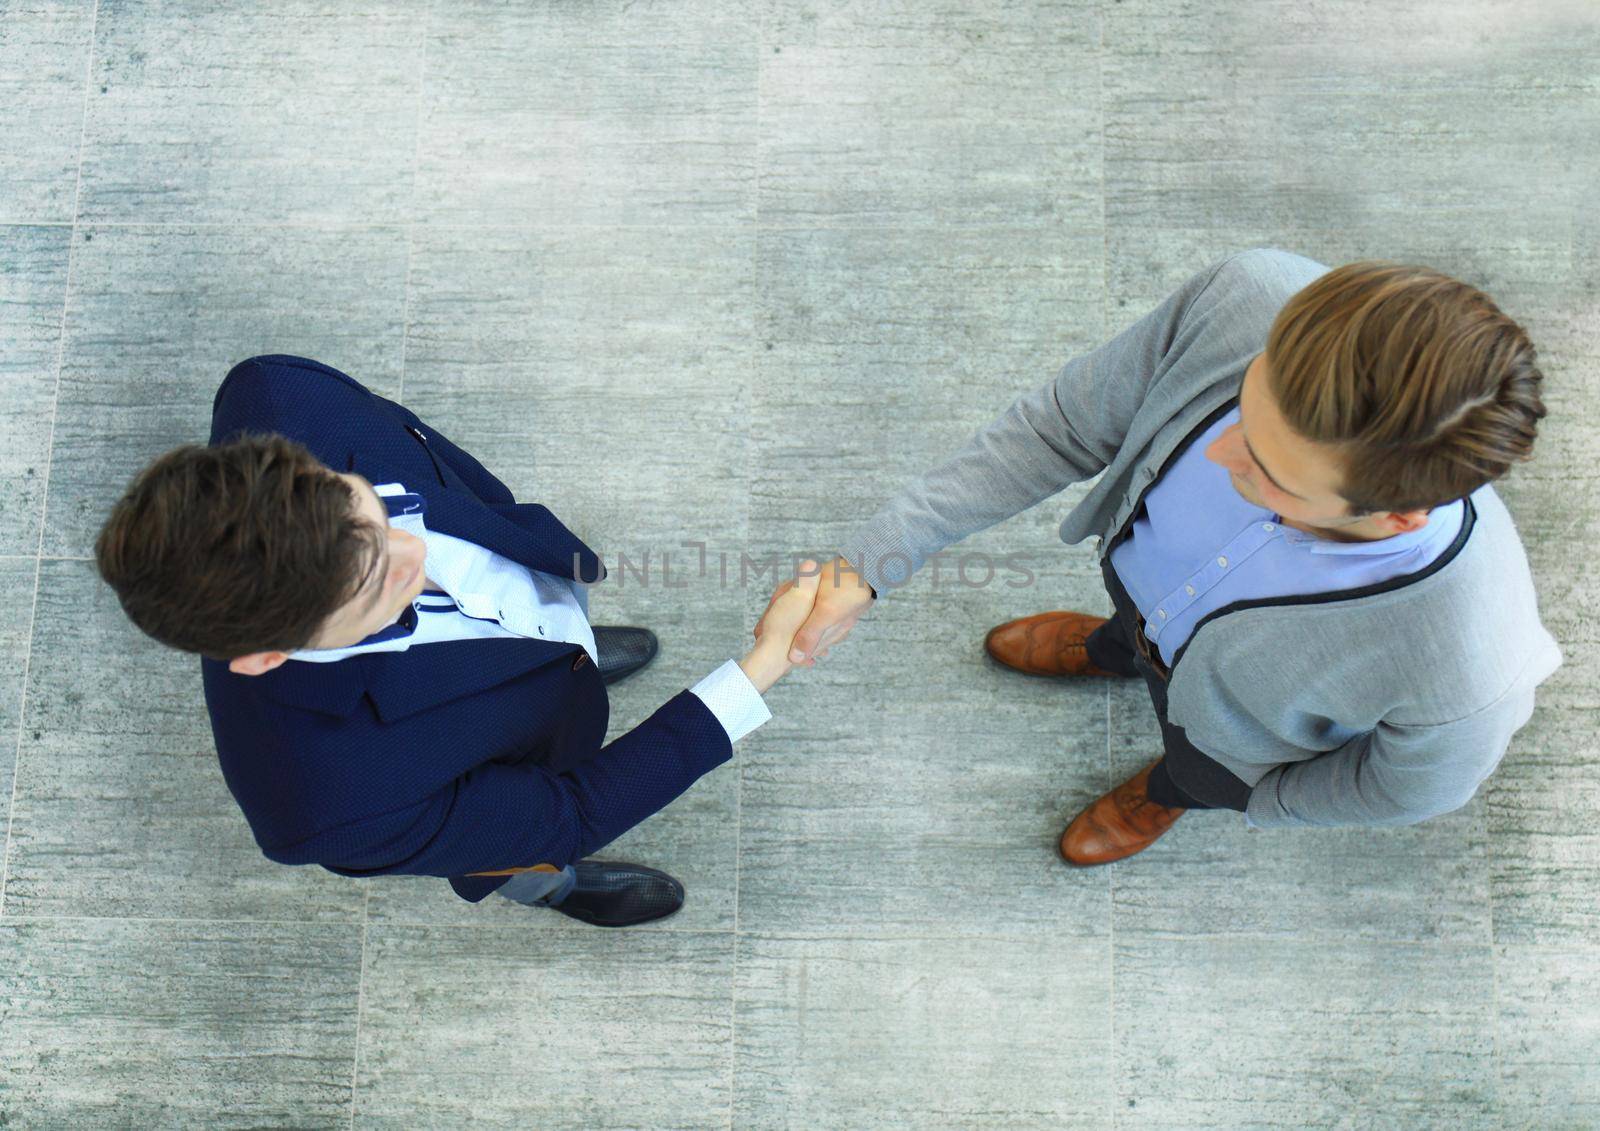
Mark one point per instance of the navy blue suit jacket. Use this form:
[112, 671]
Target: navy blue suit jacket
[452, 757]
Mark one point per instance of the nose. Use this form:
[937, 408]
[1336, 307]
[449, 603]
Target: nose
[416, 548]
[1229, 451]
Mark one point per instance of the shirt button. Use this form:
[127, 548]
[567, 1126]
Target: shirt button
[1222, 561]
[1161, 613]
[1268, 527]
[1189, 589]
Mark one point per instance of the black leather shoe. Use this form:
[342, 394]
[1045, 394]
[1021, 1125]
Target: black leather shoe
[611, 894]
[623, 649]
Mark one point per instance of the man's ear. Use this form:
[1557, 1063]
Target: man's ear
[1407, 521]
[257, 663]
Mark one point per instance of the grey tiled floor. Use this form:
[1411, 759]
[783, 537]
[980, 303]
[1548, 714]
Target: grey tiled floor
[731, 273]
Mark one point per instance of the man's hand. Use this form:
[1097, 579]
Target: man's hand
[842, 596]
[768, 661]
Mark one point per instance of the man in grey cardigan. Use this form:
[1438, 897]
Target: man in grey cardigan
[1296, 500]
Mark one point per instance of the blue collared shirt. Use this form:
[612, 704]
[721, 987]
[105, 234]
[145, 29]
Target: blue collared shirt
[1201, 545]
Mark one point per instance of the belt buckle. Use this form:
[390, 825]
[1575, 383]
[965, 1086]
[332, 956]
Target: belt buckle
[1144, 649]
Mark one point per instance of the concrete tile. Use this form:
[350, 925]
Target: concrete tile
[1553, 519]
[1358, 116]
[495, 1027]
[145, 1024]
[44, 62]
[1564, 575]
[629, 22]
[1039, 24]
[1545, 850]
[227, 114]
[883, 352]
[911, 785]
[33, 288]
[550, 354]
[18, 581]
[916, 1032]
[157, 316]
[1245, 1032]
[653, 123]
[121, 808]
[953, 134]
[1555, 514]
[1549, 1035]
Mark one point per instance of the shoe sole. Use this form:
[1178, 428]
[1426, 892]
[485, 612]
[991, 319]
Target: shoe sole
[620, 926]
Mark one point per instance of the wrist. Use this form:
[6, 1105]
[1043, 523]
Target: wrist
[764, 665]
[845, 576]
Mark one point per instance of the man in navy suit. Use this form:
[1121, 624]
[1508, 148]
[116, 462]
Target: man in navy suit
[449, 718]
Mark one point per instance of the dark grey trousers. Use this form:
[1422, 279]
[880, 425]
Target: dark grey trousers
[1185, 776]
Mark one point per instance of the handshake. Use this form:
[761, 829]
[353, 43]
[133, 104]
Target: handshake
[806, 616]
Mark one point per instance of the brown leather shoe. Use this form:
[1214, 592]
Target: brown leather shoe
[1046, 644]
[1121, 823]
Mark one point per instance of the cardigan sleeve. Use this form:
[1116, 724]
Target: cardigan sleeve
[1394, 774]
[1062, 432]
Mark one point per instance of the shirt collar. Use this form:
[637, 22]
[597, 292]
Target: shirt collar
[396, 498]
[1441, 524]
[403, 625]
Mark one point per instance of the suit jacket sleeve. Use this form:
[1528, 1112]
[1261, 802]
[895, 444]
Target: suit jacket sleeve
[498, 815]
[1065, 431]
[1392, 774]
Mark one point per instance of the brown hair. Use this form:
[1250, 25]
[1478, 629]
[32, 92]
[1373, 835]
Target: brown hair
[1422, 387]
[248, 546]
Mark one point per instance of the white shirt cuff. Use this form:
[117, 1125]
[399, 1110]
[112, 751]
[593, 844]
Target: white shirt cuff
[735, 701]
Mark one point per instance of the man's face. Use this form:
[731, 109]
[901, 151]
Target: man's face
[1273, 467]
[392, 581]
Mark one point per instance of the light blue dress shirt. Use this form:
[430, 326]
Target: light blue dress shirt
[488, 594]
[1201, 545]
